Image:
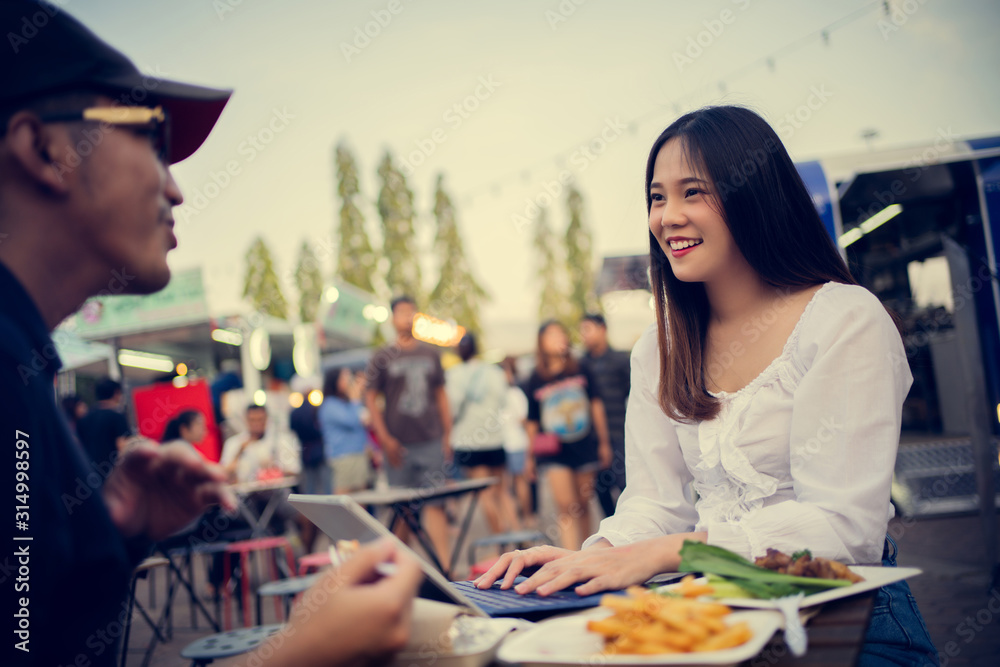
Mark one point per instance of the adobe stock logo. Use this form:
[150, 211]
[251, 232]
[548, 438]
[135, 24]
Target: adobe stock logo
[363, 35]
[699, 43]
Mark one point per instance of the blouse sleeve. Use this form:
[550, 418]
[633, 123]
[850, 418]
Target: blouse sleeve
[656, 500]
[845, 425]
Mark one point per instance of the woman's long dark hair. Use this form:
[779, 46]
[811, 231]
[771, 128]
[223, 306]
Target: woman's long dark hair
[541, 364]
[173, 430]
[772, 220]
[331, 383]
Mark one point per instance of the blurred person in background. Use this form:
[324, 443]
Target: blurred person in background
[515, 443]
[74, 408]
[345, 438]
[260, 449]
[228, 380]
[263, 453]
[414, 428]
[611, 370]
[477, 393]
[563, 404]
[188, 426]
[104, 430]
[315, 475]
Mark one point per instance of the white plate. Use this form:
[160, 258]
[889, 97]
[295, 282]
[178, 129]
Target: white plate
[875, 577]
[566, 641]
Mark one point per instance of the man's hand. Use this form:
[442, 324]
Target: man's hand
[351, 616]
[157, 490]
[393, 450]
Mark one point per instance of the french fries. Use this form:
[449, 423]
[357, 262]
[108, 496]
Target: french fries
[647, 623]
[689, 589]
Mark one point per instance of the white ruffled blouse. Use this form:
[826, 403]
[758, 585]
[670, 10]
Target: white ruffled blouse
[802, 457]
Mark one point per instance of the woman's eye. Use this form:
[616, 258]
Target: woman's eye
[656, 197]
[691, 192]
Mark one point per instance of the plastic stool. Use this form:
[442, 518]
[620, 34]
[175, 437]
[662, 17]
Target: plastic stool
[482, 566]
[226, 644]
[312, 562]
[244, 549]
[519, 539]
[186, 555]
[285, 590]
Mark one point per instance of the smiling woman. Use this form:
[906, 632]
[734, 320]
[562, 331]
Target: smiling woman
[722, 175]
[779, 393]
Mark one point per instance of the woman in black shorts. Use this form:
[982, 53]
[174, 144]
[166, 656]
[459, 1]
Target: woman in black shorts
[477, 393]
[563, 402]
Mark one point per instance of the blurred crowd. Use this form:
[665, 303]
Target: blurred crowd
[549, 424]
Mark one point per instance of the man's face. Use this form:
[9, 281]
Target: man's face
[122, 198]
[257, 423]
[594, 335]
[402, 318]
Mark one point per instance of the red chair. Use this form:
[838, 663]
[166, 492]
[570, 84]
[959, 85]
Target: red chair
[480, 568]
[312, 562]
[274, 545]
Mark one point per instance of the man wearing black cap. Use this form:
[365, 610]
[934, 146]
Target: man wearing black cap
[86, 201]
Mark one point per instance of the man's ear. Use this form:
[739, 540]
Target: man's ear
[44, 156]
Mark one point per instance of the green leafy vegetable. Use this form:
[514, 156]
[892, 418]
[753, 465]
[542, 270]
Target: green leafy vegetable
[724, 588]
[756, 581]
[802, 552]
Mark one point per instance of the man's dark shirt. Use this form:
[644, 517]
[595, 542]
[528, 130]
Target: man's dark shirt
[99, 431]
[612, 374]
[303, 422]
[409, 378]
[73, 581]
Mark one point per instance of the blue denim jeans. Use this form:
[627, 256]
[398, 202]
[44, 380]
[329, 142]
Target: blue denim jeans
[896, 633]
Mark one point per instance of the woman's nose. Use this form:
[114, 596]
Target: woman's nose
[671, 216]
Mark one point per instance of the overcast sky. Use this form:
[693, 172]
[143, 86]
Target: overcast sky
[534, 82]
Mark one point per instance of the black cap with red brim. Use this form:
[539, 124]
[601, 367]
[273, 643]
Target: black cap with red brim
[49, 51]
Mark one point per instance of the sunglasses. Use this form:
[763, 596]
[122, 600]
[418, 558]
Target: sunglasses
[151, 122]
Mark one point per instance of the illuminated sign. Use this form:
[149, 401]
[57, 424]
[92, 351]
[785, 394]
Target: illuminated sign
[436, 332]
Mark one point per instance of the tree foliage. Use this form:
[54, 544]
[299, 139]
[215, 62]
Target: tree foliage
[309, 281]
[579, 260]
[395, 208]
[457, 294]
[260, 284]
[551, 298]
[356, 260]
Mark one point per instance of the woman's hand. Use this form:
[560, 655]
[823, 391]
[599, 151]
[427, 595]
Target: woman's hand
[530, 473]
[597, 568]
[594, 570]
[512, 563]
[605, 454]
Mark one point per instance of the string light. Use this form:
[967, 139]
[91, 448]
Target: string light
[768, 62]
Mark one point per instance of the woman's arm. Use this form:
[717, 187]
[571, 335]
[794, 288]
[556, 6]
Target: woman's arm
[656, 500]
[654, 516]
[600, 419]
[531, 428]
